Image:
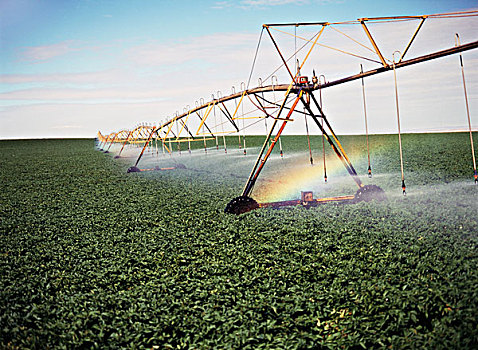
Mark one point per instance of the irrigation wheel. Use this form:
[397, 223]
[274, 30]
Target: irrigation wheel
[133, 169]
[370, 192]
[240, 205]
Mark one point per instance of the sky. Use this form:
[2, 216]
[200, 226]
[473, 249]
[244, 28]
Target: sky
[72, 67]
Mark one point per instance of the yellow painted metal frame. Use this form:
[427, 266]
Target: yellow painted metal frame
[206, 114]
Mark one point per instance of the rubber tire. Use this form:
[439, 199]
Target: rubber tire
[241, 205]
[370, 192]
[133, 169]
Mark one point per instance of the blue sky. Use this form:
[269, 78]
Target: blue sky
[71, 68]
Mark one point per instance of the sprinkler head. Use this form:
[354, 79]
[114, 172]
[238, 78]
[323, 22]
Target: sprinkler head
[404, 188]
[475, 175]
[369, 172]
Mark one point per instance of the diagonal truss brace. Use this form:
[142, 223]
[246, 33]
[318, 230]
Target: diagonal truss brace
[332, 139]
[260, 162]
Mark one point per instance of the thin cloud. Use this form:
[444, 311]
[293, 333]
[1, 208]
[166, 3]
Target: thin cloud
[47, 52]
[272, 2]
[62, 94]
[67, 127]
[211, 49]
[220, 5]
[108, 76]
[248, 4]
[42, 120]
[44, 53]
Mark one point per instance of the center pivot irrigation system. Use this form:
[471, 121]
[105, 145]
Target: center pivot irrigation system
[234, 114]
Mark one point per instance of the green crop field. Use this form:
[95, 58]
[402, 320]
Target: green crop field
[93, 257]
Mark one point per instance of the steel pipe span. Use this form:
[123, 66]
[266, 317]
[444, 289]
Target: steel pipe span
[285, 87]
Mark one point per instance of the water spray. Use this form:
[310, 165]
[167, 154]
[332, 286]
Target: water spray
[369, 170]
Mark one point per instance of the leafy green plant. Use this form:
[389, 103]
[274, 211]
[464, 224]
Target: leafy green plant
[92, 257]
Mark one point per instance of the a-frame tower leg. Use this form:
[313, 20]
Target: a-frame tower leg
[245, 203]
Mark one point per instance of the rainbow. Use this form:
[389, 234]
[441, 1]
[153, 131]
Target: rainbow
[287, 182]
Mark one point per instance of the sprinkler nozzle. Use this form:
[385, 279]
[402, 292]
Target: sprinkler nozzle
[281, 154]
[311, 161]
[325, 178]
[245, 151]
[369, 172]
[404, 188]
[475, 175]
